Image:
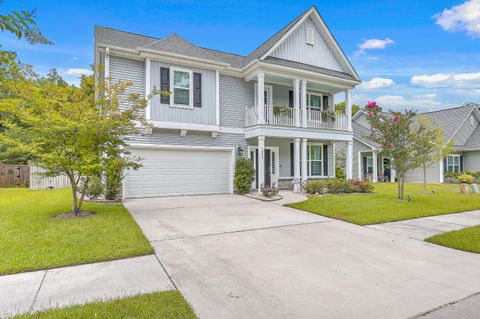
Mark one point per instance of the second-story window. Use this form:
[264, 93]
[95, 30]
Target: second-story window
[182, 88]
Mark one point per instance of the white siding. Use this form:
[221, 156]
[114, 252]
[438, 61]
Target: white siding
[235, 96]
[358, 147]
[416, 175]
[295, 48]
[202, 115]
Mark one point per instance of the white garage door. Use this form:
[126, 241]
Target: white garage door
[185, 171]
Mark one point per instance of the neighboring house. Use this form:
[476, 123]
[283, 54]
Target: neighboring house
[461, 127]
[225, 105]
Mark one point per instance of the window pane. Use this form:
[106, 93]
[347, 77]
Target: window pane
[316, 168]
[456, 160]
[315, 152]
[181, 79]
[181, 96]
[315, 101]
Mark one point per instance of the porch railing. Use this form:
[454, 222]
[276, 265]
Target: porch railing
[315, 119]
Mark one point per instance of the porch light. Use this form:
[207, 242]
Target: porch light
[239, 150]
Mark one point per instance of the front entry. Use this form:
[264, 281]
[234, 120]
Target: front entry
[271, 165]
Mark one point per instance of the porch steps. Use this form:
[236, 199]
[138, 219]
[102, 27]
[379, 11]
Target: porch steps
[285, 184]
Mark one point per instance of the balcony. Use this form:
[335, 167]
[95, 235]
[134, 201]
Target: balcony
[288, 118]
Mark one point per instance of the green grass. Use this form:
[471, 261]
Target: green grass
[383, 206]
[467, 239]
[167, 304]
[30, 239]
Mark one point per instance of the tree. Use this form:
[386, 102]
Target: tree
[431, 145]
[398, 135]
[70, 131]
[22, 24]
[340, 107]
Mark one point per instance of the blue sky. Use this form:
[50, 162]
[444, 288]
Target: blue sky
[411, 54]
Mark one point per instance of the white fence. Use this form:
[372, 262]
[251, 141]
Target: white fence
[37, 181]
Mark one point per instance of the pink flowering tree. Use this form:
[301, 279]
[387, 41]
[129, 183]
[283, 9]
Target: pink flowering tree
[397, 134]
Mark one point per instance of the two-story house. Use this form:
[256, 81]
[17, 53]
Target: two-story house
[461, 127]
[273, 106]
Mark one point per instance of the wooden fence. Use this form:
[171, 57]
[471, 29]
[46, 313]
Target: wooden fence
[37, 181]
[12, 175]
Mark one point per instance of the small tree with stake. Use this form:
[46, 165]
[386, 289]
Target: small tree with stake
[398, 134]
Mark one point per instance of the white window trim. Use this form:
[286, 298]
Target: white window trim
[266, 87]
[453, 164]
[309, 107]
[309, 162]
[369, 157]
[190, 90]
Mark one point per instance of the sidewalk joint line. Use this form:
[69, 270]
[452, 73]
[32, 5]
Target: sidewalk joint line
[166, 272]
[38, 291]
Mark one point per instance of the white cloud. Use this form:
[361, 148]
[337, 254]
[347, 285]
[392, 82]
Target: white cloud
[370, 44]
[398, 102]
[377, 83]
[464, 80]
[78, 71]
[463, 17]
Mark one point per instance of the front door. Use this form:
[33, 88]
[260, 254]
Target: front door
[271, 165]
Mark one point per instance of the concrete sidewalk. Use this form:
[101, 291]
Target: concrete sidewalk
[60, 287]
[421, 228]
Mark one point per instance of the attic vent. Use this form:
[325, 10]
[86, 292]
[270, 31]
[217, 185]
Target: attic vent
[310, 36]
[471, 120]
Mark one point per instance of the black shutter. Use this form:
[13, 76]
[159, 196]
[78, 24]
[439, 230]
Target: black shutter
[325, 102]
[461, 163]
[365, 171]
[325, 160]
[292, 156]
[445, 168]
[165, 84]
[197, 89]
[290, 98]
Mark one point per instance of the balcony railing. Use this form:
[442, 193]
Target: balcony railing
[315, 118]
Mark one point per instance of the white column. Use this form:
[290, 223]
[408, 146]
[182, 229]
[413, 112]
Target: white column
[107, 63]
[304, 103]
[349, 160]
[296, 101]
[304, 160]
[392, 171]
[360, 175]
[348, 107]
[296, 164]
[147, 88]
[261, 163]
[261, 98]
[442, 169]
[375, 166]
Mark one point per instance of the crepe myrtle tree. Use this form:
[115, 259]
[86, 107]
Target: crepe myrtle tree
[399, 136]
[72, 132]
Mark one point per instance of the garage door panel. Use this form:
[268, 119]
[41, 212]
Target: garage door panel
[171, 172]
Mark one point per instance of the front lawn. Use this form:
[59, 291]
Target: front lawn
[467, 239]
[31, 239]
[383, 206]
[162, 305]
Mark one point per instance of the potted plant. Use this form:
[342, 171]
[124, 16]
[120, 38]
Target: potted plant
[465, 181]
[280, 109]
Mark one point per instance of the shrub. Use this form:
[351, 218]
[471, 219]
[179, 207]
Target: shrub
[113, 183]
[340, 172]
[95, 187]
[336, 186]
[465, 179]
[244, 175]
[269, 191]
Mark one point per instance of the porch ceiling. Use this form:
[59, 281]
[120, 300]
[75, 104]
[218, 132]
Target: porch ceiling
[314, 86]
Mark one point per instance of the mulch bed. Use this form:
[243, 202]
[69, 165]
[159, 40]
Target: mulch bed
[83, 213]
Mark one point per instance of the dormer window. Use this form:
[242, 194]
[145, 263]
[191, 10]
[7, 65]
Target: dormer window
[310, 36]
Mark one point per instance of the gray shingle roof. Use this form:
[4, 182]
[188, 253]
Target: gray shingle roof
[178, 45]
[307, 67]
[450, 119]
[363, 134]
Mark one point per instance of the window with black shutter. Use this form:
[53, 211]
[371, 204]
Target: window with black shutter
[325, 102]
[165, 85]
[325, 160]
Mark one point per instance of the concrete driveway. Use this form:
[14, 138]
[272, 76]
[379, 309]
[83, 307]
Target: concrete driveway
[235, 257]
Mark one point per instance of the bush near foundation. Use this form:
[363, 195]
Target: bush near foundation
[337, 186]
[244, 175]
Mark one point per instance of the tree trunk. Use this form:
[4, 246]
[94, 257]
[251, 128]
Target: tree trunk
[424, 178]
[74, 186]
[82, 192]
[401, 186]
